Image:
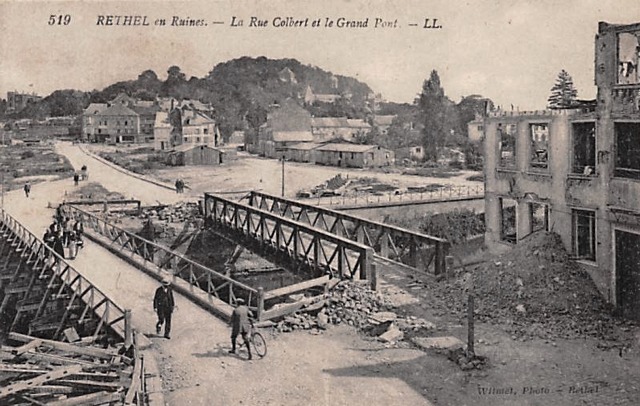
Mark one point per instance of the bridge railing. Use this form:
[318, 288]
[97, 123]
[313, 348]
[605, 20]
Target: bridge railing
[284, 237]
[215, 284]
[394, 243]
[39, 255]
[366, 198]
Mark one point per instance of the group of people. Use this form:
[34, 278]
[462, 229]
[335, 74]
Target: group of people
[164, 305]
[180, 186]
[63, 233]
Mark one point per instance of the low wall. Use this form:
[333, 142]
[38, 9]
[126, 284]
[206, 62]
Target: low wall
[411, 210]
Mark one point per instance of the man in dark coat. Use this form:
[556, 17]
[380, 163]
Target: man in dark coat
[58, 246]
[163, 304]
[240, 324]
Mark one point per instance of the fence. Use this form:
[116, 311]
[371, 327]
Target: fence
[365, 198]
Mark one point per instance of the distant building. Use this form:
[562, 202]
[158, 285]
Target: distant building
[353, 155]
[118, 124]
[310, 97]
[382, 123]
[286, 125]
[17, 101]
[302, 152]
[475, 129]
[330, 128]
[415, 153]
[184, 127]
[286, 75]
[190, 154]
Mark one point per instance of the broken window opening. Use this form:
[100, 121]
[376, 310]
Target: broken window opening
[627, 150]
[508, 230]
[628, 58]
[539, 146]
[584, 234]
[584, 148]
[507, 142]
[539, 217]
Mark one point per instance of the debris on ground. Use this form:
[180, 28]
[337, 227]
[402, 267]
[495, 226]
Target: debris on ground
[44, 371]
[534, 290]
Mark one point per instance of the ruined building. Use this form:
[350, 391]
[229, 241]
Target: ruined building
[577, 172]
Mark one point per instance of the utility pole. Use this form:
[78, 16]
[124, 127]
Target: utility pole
[282, 194]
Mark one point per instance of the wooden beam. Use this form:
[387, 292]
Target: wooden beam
[88, 384]
[66, 347]
[287, 290]
[20, 386]
[98, 398]
[32, 345]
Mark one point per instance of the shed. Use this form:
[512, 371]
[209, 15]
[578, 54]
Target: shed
[353, 155]
[301, 152]
[195, 155]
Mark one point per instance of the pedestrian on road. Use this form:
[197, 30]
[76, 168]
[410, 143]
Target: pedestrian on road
[240, 324]
[27, 189]
[163, 305]
[76, 178]
[177, 185]
[58, 246]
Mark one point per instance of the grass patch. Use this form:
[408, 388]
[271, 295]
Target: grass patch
[34, 163]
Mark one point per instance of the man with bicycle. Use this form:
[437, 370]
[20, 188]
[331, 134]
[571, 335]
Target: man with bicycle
[240, 324]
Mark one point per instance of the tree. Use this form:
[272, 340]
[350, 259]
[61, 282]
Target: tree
[432, 106]
[563, 94]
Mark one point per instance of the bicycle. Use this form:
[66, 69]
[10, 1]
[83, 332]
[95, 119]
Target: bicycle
[258, 343]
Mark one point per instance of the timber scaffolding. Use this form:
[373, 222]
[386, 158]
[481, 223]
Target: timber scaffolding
[46, 298]
[392, 243]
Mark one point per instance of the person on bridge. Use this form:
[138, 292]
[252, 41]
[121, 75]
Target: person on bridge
[163, 305]
[27, 189]
[240, 324]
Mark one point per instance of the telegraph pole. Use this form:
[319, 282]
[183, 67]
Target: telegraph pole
[282, 194]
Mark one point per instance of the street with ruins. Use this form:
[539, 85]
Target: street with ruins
[437, 227]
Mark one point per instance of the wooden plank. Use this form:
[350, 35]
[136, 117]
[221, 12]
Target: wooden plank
[58, 359]
[287, 290]
[135, 383]
[32, 345]
[51, 389]
[32, 401]
[98, 398]
[67, 347]
[88, 384]
[20, 386]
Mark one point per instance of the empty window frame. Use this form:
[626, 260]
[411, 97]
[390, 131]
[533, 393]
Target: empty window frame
[584, 148]
[539, 146]
[508, 225]
[584, 234]
[539, 217]
[507, 145]
[627, 150]
[628, 55]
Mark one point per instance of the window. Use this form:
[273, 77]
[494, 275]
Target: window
[539, 217]
[205, 131]
[353, 155]
[186, 139]
[125, 122]
[627, 150]
[628, 55]
[197, 139]
[508, 230]
[480, 128]
[584, 148]
[507, 142]
[584, 234]
[539, 146]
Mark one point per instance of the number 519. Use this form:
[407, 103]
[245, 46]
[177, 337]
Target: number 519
[59, 19]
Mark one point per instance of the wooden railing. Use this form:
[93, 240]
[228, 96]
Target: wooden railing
[42, 257]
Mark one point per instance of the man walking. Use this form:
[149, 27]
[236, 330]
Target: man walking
[27, 189]
[163, 305]
[240, 324]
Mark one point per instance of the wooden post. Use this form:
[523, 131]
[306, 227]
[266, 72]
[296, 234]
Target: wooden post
[260, 300]
[373, 276]
[128, 332]
[470, 326]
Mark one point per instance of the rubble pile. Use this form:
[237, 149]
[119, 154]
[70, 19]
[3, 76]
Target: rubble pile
[177, 213]
[535, 290]
[352, 303]
[467, 361]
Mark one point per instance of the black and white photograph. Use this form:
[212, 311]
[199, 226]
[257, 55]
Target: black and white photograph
[340, 202]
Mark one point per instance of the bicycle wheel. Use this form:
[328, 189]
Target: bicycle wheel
[259, 344]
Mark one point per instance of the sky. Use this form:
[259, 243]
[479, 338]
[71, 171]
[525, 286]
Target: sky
[508, 50]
